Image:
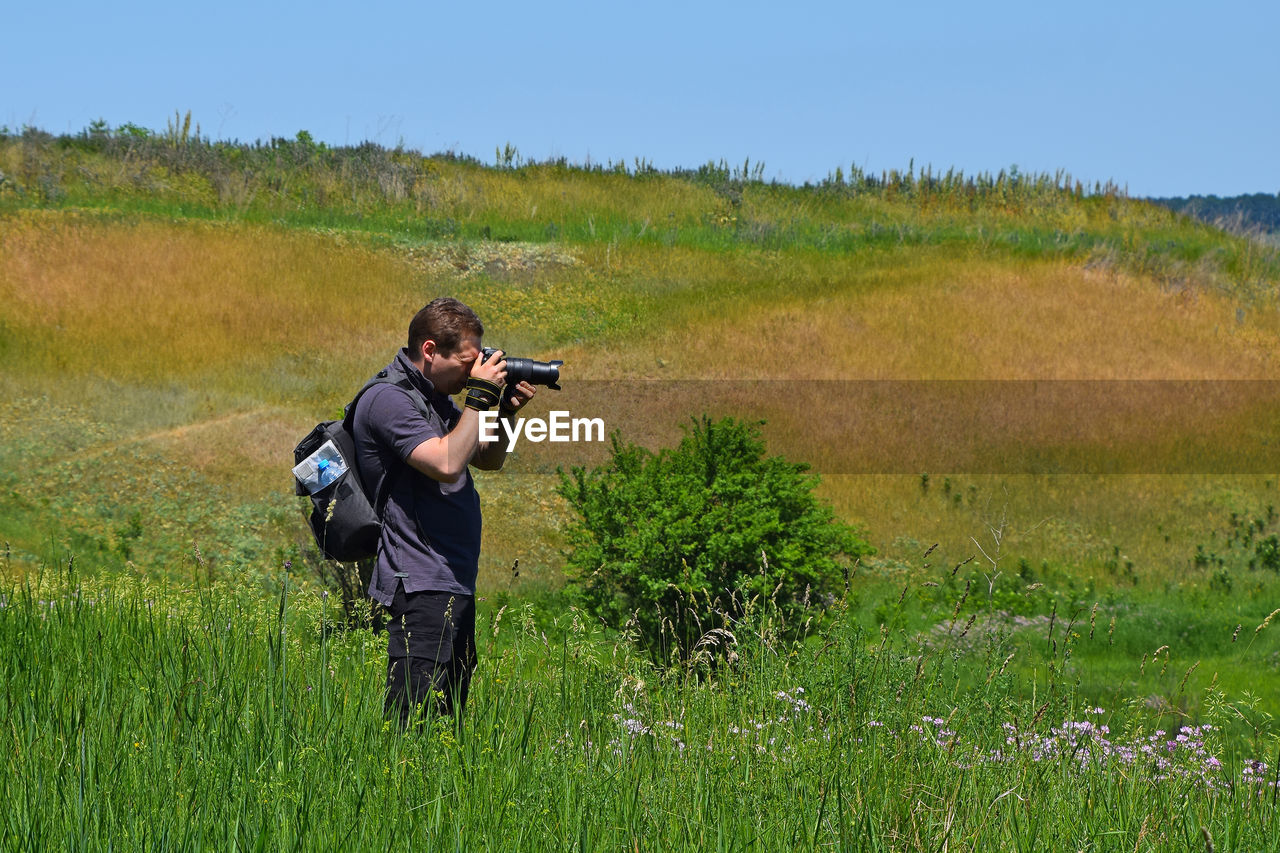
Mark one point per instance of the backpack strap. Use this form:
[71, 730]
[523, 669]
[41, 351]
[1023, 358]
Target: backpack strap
[383, 493]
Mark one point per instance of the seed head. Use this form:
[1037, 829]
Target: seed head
[962, 600]
[1002, 666]
[1188, 675]
[1265, 622]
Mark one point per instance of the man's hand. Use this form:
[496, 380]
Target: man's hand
[484, 386]
[515, 396]
[493, 369]
[493, 454]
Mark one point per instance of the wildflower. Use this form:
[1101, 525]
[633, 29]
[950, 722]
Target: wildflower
[634, 727]
[793, 699]
[1254, 768]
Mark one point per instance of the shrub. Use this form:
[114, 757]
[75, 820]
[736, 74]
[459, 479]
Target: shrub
[1267, 553]
[681, 542]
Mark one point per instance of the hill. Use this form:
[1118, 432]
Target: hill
[1051, 406]
[177, 310]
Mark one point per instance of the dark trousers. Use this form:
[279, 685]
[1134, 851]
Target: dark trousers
[431, 653]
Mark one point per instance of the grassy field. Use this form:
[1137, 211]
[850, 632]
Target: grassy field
[1061, 396]
[151, 715]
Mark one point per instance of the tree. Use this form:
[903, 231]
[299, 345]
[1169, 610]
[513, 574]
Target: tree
[679, 542]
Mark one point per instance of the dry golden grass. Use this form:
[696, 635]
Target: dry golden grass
[926, 315]
[201, 304]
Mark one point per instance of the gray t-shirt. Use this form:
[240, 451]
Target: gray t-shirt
[430, 530]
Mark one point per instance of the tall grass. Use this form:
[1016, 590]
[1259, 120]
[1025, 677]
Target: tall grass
[146, 715]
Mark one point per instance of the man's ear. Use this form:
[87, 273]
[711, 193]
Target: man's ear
[429, 350]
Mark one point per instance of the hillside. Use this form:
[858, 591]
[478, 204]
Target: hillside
[178, 310]
[1050, 407]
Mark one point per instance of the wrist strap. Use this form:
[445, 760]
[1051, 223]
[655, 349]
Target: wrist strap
[482, 395]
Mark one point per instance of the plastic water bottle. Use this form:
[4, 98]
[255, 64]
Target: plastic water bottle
[326, 472]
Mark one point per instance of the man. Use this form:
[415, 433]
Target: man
[416, 448]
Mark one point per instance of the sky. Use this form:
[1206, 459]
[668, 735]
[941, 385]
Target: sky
[1165, 98]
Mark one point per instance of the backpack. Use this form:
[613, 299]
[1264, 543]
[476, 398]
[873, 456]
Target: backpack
[346, 514]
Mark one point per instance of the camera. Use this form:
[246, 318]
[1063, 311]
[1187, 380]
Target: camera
[527, 370]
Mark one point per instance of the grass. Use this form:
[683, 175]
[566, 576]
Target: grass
[147, 714]
[401, 196]
[176, 313]
[200, 349]
[197, 306]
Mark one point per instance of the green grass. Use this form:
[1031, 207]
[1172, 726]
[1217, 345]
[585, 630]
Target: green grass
[152, 715]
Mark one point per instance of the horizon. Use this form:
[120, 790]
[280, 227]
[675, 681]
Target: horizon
[630, 169]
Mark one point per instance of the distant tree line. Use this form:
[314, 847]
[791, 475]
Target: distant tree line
[1239, 214]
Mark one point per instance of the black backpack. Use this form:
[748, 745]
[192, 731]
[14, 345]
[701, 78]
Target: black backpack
[346, 514]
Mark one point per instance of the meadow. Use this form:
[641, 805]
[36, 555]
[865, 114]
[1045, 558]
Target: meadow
[146, 715]
[1050, 407]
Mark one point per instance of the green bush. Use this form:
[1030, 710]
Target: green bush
[675, 544]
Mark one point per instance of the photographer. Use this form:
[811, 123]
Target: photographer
[418, 448]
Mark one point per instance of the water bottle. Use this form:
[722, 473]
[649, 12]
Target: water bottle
[322, 468]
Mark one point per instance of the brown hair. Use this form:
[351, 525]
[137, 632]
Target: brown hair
[446, 321]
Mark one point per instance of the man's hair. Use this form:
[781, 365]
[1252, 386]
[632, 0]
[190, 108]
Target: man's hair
[446, 321]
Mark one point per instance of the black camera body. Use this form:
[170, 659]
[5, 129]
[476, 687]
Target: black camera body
[527, 370]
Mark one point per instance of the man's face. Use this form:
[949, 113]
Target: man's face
[449, 373]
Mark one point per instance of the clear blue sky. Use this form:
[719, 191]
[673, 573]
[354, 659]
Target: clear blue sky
[1168, 98]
